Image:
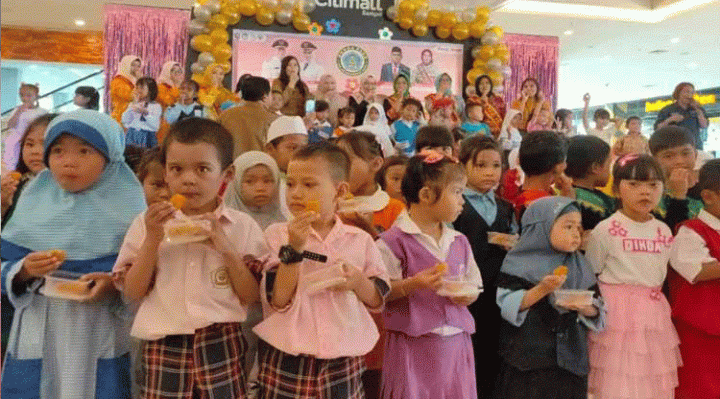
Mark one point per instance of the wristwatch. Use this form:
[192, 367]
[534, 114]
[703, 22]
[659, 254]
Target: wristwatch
[288, 255]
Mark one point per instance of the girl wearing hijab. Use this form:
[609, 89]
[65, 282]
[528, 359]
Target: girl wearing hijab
[123, 84]
[213, 95]
[82, 205]
[168, 82]
[543, 343]
[376, 122]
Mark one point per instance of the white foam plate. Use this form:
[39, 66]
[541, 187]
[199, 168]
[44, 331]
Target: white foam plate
[322, 285]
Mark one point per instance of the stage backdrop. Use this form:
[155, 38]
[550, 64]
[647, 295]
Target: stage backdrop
[348, 59]
[536, 57]
[154, 34]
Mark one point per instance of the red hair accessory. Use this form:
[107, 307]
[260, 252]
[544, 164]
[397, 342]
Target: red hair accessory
[627, 158]
[432, 156]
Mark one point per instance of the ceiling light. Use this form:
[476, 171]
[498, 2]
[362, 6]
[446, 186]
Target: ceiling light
[568, 32]
[675, 40]
[692, 65]
[79, 22]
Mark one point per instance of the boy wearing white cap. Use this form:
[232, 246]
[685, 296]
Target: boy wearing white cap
[285, 136]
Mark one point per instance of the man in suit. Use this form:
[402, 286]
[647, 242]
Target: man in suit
[390, 71]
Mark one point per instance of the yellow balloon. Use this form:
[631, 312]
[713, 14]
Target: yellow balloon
[482, 13]
[486, 52]
[248, 8]
[201, 43]
[233, 16]
[502, 52]
[301, 22]
[406, 8]
[498, 31]
[420, 30]
[442, 32]
[482, 20]
[448, 20]
[222, 52]
[264, 16]
[199, 79]
[218, 21]
[477, 29]
[478, 63]
[405, 22]
[219, 36]
[461, 31]
[473, 74]
[433, 18]
[496, 77]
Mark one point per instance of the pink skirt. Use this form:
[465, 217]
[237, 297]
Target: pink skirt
[637, 355]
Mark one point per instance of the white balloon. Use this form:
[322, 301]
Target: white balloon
[205, 59]
[475, 52]
[421, 15]
[197, 68]
[392, 13]
[507, 71]
[308, 6]
[498, 90]
[287, 5]
[202, 13]
[213, 5]
[283, 17]
[494, 64]
[490, 38]
[197, 27]
[468, 15]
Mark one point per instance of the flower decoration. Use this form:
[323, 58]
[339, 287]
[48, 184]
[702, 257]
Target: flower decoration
[385, 33]
[351, 85]
[332, 26]
[616, 229]
[315, 29]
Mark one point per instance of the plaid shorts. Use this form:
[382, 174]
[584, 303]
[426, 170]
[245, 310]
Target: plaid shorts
[207, 365]
[283, 376]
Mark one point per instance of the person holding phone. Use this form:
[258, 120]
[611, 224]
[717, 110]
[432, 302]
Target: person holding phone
[290, 86]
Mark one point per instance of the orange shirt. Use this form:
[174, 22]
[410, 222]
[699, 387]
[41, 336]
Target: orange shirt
[121, 94]
[386, 217]
[167, 97]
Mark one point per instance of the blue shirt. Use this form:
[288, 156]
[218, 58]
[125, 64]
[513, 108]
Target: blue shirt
[405, 135]
[486, 206]
[472, 128]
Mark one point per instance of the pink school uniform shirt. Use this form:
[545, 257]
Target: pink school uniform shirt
[192, 289]
[326, 324]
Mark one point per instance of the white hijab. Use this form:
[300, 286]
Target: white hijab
[379, 128]
[124, 67]
[166, 74]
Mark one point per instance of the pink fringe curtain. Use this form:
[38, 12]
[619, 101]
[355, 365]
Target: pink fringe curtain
[156, 35]
[536, 57]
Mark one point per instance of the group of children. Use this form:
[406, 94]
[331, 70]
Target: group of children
[331, 270]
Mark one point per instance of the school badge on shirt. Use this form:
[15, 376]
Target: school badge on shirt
[220, 277]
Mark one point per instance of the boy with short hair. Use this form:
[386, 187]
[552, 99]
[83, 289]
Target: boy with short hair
[285, 136]
[633, 142]
[346, 120]
[321, 129]
[474, 123]
[489, 223]
[588, 164]
[542, 159]
[193, 296]
[694, 279]
[405, 129]
[437, 138]
[187, 105]
[674, 149]
[603, 128]
[318, 285]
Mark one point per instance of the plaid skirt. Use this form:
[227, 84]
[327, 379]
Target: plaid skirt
[207, 365]
[283, 376]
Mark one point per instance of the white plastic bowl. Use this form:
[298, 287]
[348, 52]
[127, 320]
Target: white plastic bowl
[566, 298]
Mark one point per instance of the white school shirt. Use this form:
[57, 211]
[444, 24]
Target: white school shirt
[439, 249]
[606, 134]
[192, 289]
[623, 251]
[149, 121]
[690, 250]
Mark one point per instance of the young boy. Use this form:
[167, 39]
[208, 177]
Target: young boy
[542, 158]
[603, 128]
[346, 120]
[674, 148]
[474, 123]
[588, 164]
[321, 129]
[320, 281]
[695, 279]
[405, 128]
[633, 142]
[187, 105]
[194, 295]
[488, 221]
[285, 136]
[436, 138]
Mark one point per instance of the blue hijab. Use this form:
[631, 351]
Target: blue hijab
[90, 224]
[533, 257]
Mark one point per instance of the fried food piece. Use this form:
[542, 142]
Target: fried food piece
[185, 230]
[16, 175]
[59, 254]
[74, 287]
[348, 196]
[313, 206]
[561, 271]
[178, 201]
[441, 267]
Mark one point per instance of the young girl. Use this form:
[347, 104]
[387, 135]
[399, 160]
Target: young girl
[151, 173]
[142, 117]
[26, 112]
[510, 137]
[82, 206]
[254, 189]
[390, 176]
[564, 123]
[637, 356]
[543, 343]
[87, 97]
[376, 123]
[633, 142]
[428, 349]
